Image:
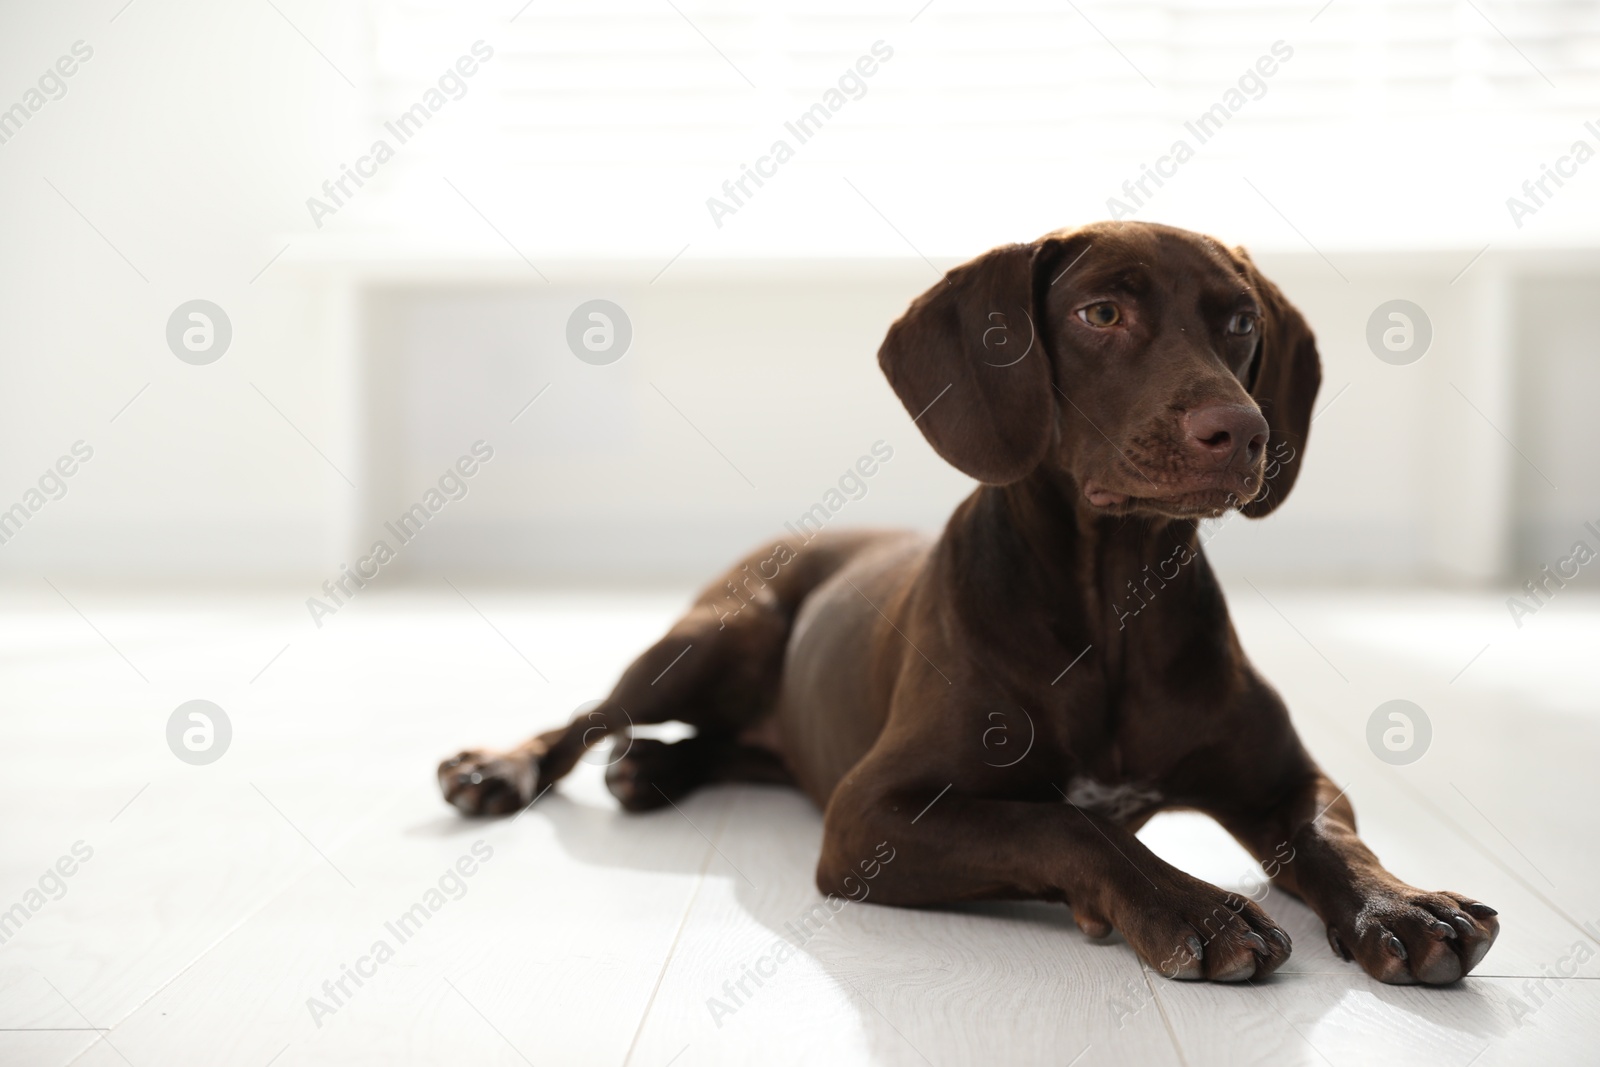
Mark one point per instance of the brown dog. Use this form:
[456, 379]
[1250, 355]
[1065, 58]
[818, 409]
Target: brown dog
[1109, 386]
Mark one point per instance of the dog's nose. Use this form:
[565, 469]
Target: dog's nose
[1226, 435]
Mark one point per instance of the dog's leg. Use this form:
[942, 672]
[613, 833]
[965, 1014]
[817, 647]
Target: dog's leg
[653, 773]
[1309, 846]
[714, 674]
[920, 847]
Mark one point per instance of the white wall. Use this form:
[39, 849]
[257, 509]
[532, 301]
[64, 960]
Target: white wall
[1558, 357]
[186, 141]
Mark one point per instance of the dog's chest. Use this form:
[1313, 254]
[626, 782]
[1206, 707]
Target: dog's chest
[1117, 802]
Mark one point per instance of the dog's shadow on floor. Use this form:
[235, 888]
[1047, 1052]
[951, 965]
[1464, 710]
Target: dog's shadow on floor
[965, 977]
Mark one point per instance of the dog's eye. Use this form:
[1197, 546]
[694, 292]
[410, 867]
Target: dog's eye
[1241, 324]
[1100, 314]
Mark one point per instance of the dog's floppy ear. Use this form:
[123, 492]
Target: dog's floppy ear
[969, 361]
[1283, 382]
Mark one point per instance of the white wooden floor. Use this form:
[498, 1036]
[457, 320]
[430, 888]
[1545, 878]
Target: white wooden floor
[219, 898]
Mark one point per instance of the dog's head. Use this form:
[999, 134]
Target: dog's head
[1156, 367]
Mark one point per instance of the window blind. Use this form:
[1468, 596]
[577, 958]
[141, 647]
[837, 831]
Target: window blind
[609, 127]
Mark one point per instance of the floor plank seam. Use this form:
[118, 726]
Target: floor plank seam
[1161, 1009]
[666, 964]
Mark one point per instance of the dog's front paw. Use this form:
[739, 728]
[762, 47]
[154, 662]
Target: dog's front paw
[1202, 932]
[480, 782]
[1404, 936]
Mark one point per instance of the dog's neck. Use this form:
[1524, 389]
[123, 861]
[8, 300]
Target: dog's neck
[1050, 512]
[1039, 539]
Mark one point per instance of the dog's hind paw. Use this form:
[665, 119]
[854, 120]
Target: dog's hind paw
[481, 782]
[1405, 936]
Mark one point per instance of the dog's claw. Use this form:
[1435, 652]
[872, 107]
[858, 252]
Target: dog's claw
[1482, 911]
[1395, 946]
[1189, 968]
